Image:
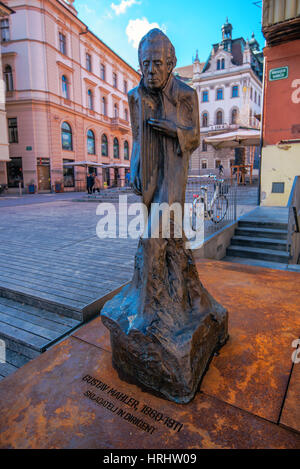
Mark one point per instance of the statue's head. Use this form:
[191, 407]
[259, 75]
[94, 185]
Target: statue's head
[157, 59]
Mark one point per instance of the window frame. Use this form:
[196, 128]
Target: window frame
[88, 62]
[126, 151]
[4, 28]
[8, 78]
[217, 94]
[116, 145]
[13, 134]
[105, 142]
[66, 131]
[91, 137]
[62, 43]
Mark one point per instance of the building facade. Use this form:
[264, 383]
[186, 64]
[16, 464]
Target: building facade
[5, 11]
[229, 87]
[281, 113]
[66, 98]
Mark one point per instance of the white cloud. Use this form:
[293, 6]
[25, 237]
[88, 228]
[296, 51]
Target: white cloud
[122, 7]
[136, 29]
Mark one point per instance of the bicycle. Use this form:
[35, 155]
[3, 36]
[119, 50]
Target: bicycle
[215, 210]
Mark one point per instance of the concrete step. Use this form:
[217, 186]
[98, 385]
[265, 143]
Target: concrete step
[258, 253]
[257, 242]
[13, 361]
[255, 262]
[263, 224]
[261, 232]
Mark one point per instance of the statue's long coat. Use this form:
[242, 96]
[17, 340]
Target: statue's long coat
[178, 103]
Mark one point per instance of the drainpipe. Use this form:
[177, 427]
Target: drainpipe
[261, 132]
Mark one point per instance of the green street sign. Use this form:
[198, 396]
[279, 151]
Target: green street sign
[279, 73]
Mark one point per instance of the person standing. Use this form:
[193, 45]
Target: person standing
[97, 183]
[90, 183]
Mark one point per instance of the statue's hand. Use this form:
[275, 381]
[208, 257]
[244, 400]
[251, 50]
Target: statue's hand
[167, 127]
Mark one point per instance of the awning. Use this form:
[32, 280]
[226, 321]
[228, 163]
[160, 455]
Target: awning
[238, 138]
[116, 165]
[85, 164]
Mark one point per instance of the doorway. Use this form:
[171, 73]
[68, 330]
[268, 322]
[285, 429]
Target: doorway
[43, 173]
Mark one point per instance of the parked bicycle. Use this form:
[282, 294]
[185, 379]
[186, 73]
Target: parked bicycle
[214, 210]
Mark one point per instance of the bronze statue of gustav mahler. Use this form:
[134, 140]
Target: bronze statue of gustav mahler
[164, 325]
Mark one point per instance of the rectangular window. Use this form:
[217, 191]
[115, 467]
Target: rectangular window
[217, 163]
[88, 62]
[4, 28]
[204, 145]
[115, 80]
[251, 93]
[13, 130]
[102, 72]
[235, 91]
[125, 87]
[69, 175]
[204, 164]
[219, 94]
[62, 44]
[205, 97]
[259, 99]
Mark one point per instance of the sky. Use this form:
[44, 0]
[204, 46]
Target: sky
[191, 25]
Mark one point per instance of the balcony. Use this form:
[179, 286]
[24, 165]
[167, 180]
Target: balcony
[218, 127]
[120, 124]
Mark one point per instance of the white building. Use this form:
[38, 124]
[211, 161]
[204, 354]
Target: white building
[229, 86]
[5, 11]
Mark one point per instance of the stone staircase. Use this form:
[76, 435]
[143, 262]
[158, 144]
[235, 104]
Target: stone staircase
[261, 238]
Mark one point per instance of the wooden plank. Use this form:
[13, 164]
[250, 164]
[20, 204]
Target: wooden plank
[43, 313]
[43, 295]
[28, 327]
[6, 369]
[44, 287]
[30, 318]
[23, 337]
[16, 359]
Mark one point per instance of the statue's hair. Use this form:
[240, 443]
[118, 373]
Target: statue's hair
[154, 35]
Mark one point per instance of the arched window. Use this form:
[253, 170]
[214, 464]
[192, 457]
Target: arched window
[234, 115]
[116, 111]
[8, 77]
[104, 108]
[223, 64]
[219, 64]
[90, 100]
[65, 87]
[91, 142]
[104, 145]
[126, 150]
[219, 118]
[66, 137]
[116, 148]
[205, 119]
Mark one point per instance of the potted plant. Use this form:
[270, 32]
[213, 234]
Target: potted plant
[31, 187]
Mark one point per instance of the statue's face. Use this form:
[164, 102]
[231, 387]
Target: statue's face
[155, 67]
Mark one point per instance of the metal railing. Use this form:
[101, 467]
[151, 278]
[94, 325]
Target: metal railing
[219, 198]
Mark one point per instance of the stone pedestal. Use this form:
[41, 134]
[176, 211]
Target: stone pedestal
[164, 326]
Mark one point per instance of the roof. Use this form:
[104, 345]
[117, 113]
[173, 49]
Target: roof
[5, 10]
[186, 73]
